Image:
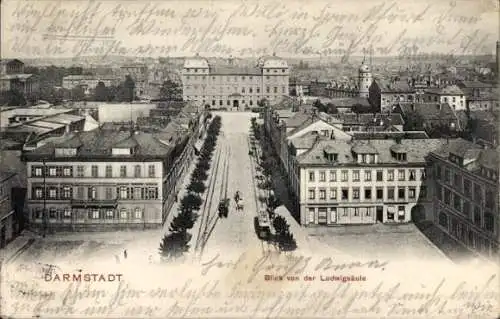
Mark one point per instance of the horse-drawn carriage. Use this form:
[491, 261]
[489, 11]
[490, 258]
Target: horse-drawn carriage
[238, 200]
[224, 207]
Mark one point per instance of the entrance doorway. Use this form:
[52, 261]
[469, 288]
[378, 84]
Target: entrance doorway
[380, 214]
[235, 104]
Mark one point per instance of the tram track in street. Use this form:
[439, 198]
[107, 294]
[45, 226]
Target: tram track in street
[222, 194]
[211, 185]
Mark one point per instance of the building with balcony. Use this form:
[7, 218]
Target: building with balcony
[108, 178]
[339, 182]
[467, 197]
[231, 86]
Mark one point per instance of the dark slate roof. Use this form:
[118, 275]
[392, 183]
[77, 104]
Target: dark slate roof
[297, 119]
[475, 84]
[389, 135]
[418, 150]
[470, 151]
[7, 61]
[430, 111]
[100, 142]
[370, 118]
[305, 141]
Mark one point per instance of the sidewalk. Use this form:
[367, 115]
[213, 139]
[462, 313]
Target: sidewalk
[10, 252]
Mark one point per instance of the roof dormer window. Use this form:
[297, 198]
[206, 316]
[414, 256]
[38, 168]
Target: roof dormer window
[330, 154]
[122, 151]
[65, 152]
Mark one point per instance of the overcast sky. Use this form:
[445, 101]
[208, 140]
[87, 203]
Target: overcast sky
[247, 28]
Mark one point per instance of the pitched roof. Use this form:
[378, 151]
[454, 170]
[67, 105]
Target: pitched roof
[234, 70]
[418, 149]
[99, 142]
[389, 135]
[297, 119]
[448, 90]
[430, 111]
[470, 151]
[305, 141]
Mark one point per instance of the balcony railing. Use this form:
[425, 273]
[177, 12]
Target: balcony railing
[82, 203]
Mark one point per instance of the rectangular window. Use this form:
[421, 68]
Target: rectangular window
[151, 171]
[401, 175]
[109, 193]
[412, 192]
[356, 211]
[438, 172]
[478, 195]
[333, 193]
[380, 176]
[322, 176]
[322, 194]
[138, 213]
[390, 175]
[333, 176]
[447, 176]
[92, 193]
[439, 192]
[95, 171]
[380, 193]
[137, 171]
[344, 176]
[390, 193]
[109, 214]
[67, 213]
[401, 212]
[37, 171]
[311, 176]
[67, 171]
[109, 171]
[52, 171]
[368, 175]
[457, 202]
[52, 193]
[368, 193]
[457, 182]
[412, 176]
[67, 192]
[52, 213]
[355, 176]
[123, 192]
[80, 171]
[468, 188]
[355, 193]
[38, 193]
[401, 193]
[123, 214]
[123, 171]
[345, 194]
[447, 196]
[312, 193]
[95, 214]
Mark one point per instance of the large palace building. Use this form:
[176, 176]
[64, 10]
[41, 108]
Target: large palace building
[231, 86]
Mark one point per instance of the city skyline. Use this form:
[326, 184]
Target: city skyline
[248, 29]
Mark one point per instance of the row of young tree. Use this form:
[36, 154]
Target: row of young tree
[176, 243]
[283, 239]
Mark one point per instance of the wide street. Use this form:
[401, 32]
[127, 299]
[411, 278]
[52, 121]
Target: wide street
[234, 234]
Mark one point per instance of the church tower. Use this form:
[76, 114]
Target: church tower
[364, 80]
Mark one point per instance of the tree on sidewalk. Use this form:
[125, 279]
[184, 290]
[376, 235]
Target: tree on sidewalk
[280, 225]
[199, 174]
[174, 245]
[191, 202]
[196, 186]
[203, 164]
[183, 221]
[286, 242]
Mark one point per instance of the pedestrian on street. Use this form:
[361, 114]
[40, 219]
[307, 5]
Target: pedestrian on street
[125, 254]
[176, 197]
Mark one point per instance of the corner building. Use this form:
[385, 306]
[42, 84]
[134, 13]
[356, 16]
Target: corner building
[233, 87]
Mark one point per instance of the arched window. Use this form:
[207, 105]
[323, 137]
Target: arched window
[443, 220]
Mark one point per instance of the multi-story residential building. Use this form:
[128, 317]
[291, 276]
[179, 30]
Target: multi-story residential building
[386, 94]
[432, 115]
[7, 222]
[87, 82]
[230, 86]
[467, 197]
[450, 94]
[107, 178]
[139, 73]
[12, 77]
[361, 182]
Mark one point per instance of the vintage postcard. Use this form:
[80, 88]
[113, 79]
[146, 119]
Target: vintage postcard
[249, 159]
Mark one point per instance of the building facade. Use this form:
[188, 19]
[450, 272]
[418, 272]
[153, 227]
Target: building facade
[7, 216]
[12, 77]
[362, 182]
[107, 179]
[87, 82]
[450, 94]
[467, 196]
[230, 86]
